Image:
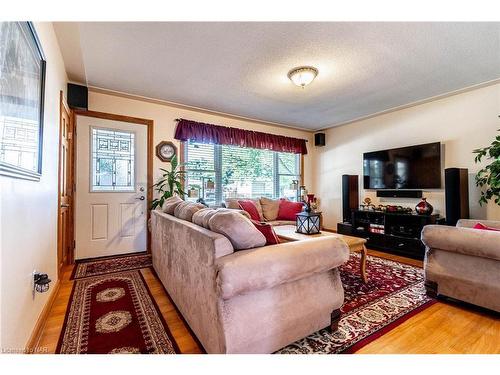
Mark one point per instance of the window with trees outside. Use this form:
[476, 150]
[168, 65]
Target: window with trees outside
[218, 172]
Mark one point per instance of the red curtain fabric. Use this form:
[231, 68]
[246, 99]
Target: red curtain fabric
[222, 135]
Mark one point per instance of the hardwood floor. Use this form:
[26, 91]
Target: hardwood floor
[442, 328]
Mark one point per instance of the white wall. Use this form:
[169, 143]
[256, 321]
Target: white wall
[164, 123]
[28, 216]
[461, 123]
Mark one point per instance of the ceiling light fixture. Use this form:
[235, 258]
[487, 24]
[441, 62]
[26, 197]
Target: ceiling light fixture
[303, 75]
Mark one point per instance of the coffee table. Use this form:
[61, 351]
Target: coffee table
[355, 244]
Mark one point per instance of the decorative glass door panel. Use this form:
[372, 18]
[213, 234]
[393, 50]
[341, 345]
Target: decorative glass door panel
[113, 162]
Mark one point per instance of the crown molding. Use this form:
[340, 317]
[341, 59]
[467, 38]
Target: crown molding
[167, 103]
[414, 104]
[270, 123]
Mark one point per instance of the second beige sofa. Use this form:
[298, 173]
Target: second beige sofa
[463, 263]
[267, 208]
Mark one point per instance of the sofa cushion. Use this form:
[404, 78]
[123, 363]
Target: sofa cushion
[268, 232]
[233, 204]
[237, 228]
[270, 208]
[288, 209]
[186, 210]
[202, 216]
[275, 223]
[250, 207]
[170, 204]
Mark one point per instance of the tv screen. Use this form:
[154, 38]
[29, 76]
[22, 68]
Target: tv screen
[414, 167]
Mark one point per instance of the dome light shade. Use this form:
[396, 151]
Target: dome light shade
[302, 76]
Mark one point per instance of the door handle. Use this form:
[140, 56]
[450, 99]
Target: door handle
[141, 198]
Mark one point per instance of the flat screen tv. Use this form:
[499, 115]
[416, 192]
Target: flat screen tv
[413, 167]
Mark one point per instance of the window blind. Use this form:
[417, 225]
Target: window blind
[218, 172]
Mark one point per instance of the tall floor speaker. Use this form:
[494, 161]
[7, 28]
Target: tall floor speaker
[456, 185]
[350, 196]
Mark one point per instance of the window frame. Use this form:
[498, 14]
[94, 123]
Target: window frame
[10, 170]
[218, 170]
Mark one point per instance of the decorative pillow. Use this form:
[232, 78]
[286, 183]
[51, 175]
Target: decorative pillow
[237, 228]
[270, 208]
[249, 206]
[288, 209]
[268, 232]
[233, 203]
[239, 210]
[201, 217]
[170, 204]
[186, 210]
[481, 226]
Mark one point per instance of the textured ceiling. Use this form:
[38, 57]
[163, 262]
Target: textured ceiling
[241, 68]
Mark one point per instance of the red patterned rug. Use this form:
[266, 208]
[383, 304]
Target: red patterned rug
[114, 314]
[394, 293]
[102, 266]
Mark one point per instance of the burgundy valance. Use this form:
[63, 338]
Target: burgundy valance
[222, 135]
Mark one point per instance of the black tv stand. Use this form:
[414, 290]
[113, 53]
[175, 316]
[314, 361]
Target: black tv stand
[392, 232]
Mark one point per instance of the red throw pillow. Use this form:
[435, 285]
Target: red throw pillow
[485, 227]
[250, 207]
[288, 209]
[268, 232]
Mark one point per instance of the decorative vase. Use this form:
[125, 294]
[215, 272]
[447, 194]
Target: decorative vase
[424, 207]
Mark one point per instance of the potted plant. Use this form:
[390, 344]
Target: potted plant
[194, 191]
[488, 178]
[169, 184]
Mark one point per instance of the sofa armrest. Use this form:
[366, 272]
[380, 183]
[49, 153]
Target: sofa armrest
[469, 223]
[473, 242]
[268, 266]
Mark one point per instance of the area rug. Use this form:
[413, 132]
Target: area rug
[114, 313]
[102, 266]
[394, 293]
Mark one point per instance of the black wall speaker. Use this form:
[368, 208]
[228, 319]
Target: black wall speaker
[350, 196]
[456, 186]
[399, 193]
[319, 139]
[78, 96]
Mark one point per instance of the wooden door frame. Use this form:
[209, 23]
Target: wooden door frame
[71, 177]
[150, 148]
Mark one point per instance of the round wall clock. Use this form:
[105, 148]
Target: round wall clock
[165, 151]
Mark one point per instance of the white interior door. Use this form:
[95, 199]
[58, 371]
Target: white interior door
[111, 187]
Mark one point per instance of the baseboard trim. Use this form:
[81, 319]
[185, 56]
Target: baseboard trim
[32, 344]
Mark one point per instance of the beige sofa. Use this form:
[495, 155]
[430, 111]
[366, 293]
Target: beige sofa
[249, 301]
[267, 208]
[463, 263]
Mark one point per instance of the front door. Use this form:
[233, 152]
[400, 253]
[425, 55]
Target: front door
[111, 187]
